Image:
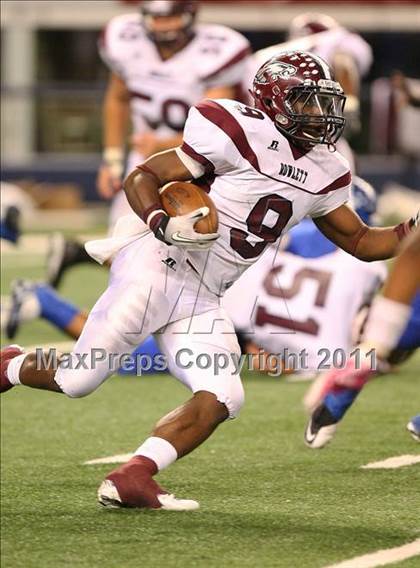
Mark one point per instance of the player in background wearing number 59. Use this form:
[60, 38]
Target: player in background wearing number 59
[161, 63]
[297, 118]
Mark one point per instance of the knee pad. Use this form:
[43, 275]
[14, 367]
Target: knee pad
[76, 383]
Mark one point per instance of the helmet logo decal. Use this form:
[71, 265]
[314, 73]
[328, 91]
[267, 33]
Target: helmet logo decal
[276, 70]
[280, 70]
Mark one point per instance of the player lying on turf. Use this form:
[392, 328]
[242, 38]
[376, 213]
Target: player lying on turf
[296, 121]
[394, 318]
[300, 302]
[161, 62]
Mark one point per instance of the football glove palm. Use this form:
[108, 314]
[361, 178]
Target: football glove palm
[179, 231]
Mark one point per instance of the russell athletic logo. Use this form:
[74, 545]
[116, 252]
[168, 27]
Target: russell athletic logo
[274, 146]
[170, 262]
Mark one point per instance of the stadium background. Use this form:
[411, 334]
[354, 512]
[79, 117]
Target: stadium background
[53, 81]
[266, 499]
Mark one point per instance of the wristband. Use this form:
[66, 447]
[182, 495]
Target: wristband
[112, 154]
[154, 219]
[157, 220]
[404, 229]
[113, 157]
[158, 225]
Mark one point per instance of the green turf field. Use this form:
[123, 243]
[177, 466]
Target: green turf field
[266, 500]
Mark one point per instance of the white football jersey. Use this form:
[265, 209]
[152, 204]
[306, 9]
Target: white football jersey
[288, 302]
[162, 91]
[260, 184]
[325, 44]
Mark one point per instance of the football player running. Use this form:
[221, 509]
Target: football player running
[394, 321]
[161, 63]
[297, 299]
[296, 121]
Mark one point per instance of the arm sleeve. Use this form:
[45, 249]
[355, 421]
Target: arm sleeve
[203, 147]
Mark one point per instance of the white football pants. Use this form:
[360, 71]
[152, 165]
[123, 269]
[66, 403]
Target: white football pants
[146, 295]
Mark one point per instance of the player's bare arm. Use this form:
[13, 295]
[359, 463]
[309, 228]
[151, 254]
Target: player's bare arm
[116, 113]
[148, 143]
[347, 74]
[225, 92]
[142, 185]
[142, 190]
[345, 228]
[404, 279]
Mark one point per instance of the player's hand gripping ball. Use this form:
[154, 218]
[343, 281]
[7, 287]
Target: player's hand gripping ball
[194, 222]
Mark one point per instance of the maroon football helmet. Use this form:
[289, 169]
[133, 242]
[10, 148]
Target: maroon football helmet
[310, 23]
[297, 91]
[151, 9]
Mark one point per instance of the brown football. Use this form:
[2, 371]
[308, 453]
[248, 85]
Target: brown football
[181, 197]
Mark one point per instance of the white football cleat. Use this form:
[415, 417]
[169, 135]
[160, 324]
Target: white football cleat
[414, 427]
[108, 496]
[321, 428]
[320, 438]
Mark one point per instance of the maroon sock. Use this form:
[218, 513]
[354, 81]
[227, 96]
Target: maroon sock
[6, 355]
[5, 384]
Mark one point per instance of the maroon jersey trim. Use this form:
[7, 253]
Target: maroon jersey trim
[297, 152]
[222, 118]
[235, 59]
[209, 167]
[339, 183]
[226, 122]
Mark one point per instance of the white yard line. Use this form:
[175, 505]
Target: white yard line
[394, 462]
[120, 458]
[381, 557]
